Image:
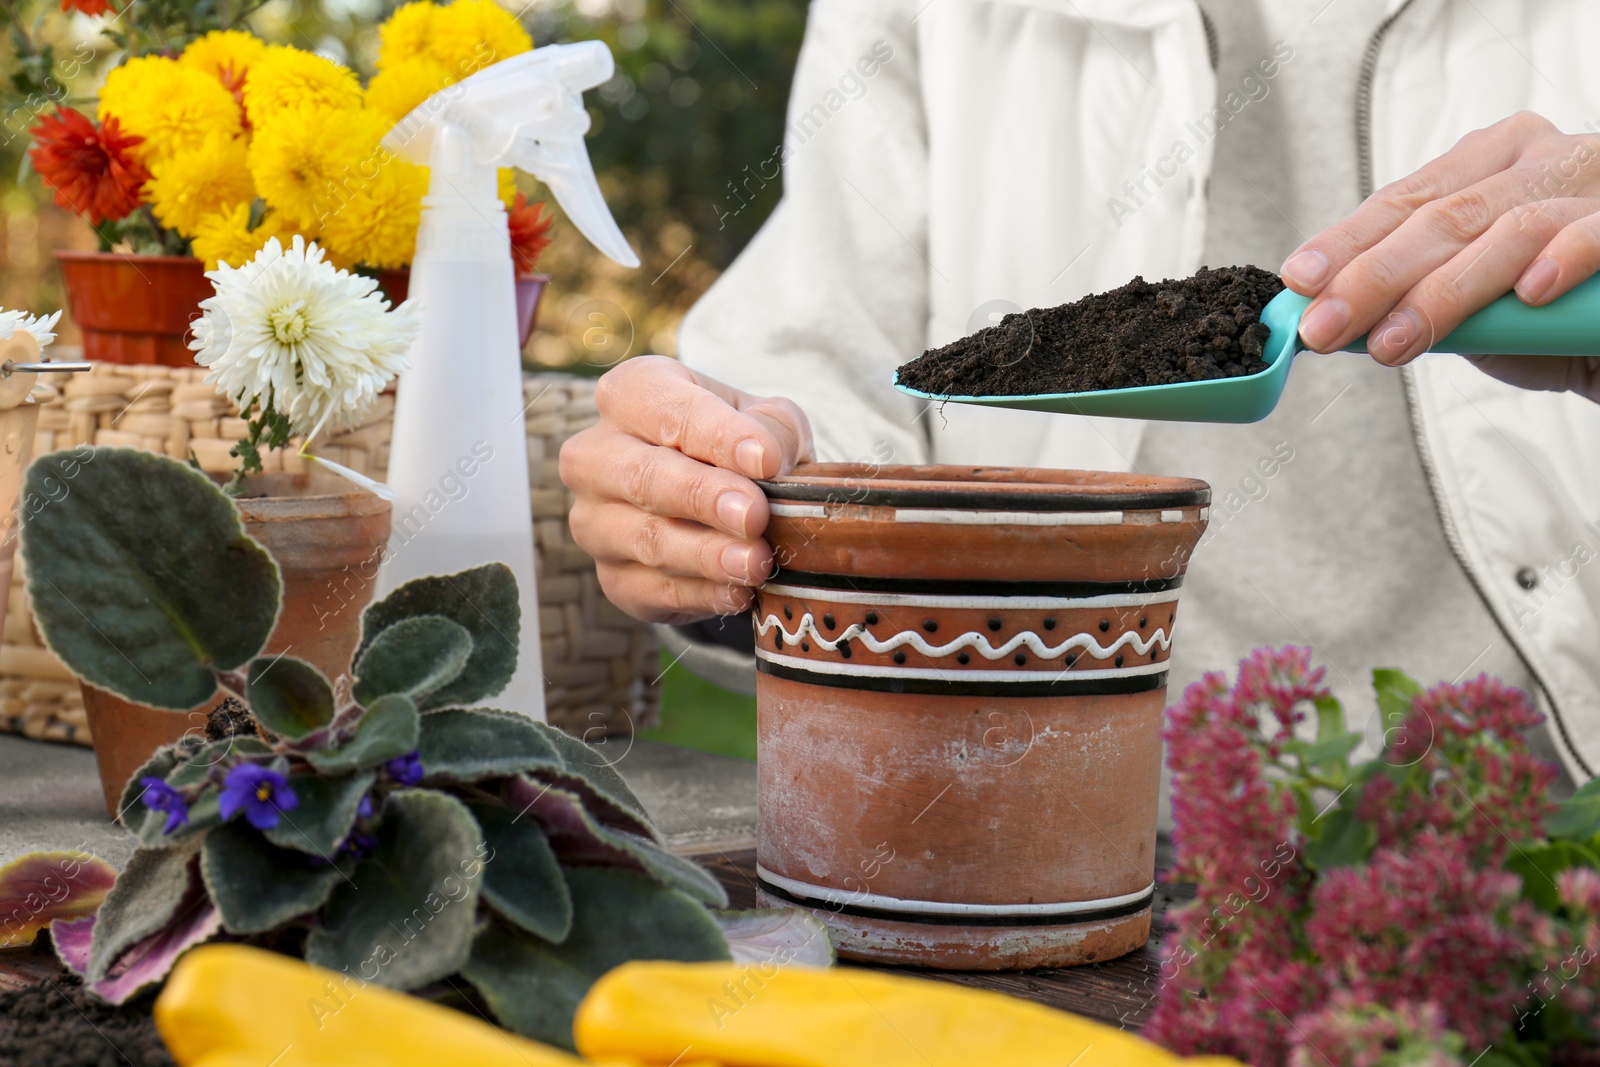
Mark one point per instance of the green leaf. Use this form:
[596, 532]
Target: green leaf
[521, 878]
[484, 601]
[1344, 840]
[584, 770]
[406, 917]
[1396, 692]
[413, 658]
[1578, 817]
[468, 744]
[141, 575]
[388, 728]
[580, 838]
[144, 899]
[290, 696]
[324, 814]
[1330, 717]
[1331, 750]
[533, 987]
[258, 887]
[1538, 868]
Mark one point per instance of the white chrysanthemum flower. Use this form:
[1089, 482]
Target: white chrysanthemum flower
[290, 329]
[41, 326]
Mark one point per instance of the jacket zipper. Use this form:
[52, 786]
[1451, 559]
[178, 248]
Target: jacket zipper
[1452, 535]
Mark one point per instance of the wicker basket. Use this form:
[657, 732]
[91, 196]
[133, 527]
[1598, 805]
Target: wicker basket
[598, 661]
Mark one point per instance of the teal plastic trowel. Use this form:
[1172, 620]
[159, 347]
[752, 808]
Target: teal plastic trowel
[1567, 326]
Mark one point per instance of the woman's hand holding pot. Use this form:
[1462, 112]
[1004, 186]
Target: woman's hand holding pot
[666, 499]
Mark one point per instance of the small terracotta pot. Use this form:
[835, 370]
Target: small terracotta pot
[530, 287]
[962, 677]
[328, 538]
[134, 309]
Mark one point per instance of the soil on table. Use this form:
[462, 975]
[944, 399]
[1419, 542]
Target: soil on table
[57, 1023]
[1145, 333]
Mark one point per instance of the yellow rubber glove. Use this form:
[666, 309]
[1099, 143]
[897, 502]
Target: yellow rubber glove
[232, 1006]
[755, 1016]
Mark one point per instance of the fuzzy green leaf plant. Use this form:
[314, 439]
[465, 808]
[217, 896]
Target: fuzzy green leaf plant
[375, 825]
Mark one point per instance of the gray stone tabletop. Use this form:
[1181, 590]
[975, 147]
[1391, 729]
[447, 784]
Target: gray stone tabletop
[50, 798]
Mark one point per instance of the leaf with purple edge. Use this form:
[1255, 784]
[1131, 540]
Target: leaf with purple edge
[584, 770]
[72, 940]
[147, 962]
[580, 839]
[42, 887]
[146, 896]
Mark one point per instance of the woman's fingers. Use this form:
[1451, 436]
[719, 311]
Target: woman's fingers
[612, 466]
[662, 402]
[1475, 276]
[1474, 158]
[653, 596]
[1571, 257]
[616, 532]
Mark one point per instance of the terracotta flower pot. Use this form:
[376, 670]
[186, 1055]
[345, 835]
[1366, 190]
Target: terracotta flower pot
[962, 677]
[530, 287]
[328, 538]
[134, 309]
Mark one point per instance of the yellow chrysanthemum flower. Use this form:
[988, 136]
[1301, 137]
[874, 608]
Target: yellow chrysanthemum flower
[226, 237]
[406, 34]
[301, 159]
[469, 35]
[288, 78]
[197, 182]
[173, 107]
[506, 180]
[226, 55]
[399, 87]
[376, 223]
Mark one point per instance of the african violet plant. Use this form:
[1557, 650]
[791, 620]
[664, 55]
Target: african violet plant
[380, 827]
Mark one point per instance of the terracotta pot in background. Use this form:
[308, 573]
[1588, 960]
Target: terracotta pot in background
[962, 678]
[530, 287]
[134, 309]
[328, 538]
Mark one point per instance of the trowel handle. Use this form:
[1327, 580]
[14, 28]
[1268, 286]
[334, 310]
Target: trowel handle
[1567, 326]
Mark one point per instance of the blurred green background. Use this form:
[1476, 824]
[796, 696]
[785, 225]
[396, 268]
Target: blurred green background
[696, 106]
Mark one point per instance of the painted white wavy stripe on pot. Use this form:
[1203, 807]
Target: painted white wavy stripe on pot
[940, 674]
[879, 902]
[1001, 603]
[971, 639]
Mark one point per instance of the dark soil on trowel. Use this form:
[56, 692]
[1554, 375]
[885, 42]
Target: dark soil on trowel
[1145, 333]
[58, 1023]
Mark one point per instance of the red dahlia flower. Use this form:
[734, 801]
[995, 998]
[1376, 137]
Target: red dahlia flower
[93, 171]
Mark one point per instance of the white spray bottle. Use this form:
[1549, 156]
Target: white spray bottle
[458, 466]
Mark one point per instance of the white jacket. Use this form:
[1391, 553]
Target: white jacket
[944, 154]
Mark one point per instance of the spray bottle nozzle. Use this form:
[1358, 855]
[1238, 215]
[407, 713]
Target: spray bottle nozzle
[525, 112]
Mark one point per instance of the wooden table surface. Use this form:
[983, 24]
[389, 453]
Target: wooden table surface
[1120, 992]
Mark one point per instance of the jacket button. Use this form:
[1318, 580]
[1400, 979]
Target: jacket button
[1527, 577]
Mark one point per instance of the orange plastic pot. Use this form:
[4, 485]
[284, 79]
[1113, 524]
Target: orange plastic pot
[328, 538]
[134, 309]
[530, 287]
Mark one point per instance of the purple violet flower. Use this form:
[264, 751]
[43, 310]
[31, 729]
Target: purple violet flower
[261, 793]
[159, 796]
[364, 809]
[407, 769]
